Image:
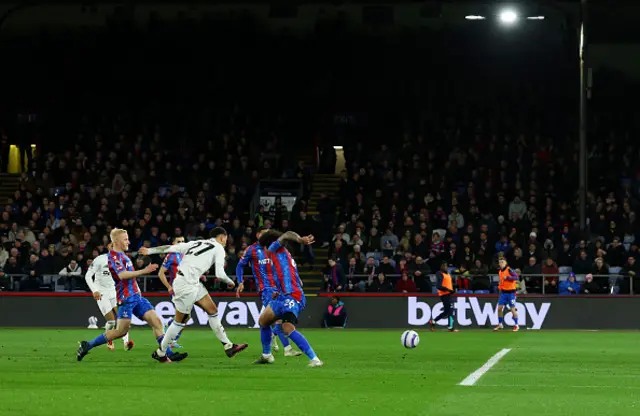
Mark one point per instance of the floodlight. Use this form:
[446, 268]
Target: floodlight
[508, 17]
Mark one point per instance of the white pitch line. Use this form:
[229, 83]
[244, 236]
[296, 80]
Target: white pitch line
[475, 376]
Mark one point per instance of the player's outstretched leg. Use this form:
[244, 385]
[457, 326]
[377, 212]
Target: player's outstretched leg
[288, 349]
[86, 346]
[230, 348]
[128, 344]
[302, 343]
[111, 324]
[174, 343]
[265, 338]
[274, 339]
[154, 321]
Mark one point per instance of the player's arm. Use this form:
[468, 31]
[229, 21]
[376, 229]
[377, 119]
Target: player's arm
[181, 248]
[126, 275]
[89, 279]
[218, 258]
[162, 272]
[295, 237]
[513, 276]
[244, 261]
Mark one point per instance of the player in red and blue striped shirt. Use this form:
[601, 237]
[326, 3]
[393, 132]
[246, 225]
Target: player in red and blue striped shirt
[167, 275]
[130, 301]
[290, 300]
[261, 265]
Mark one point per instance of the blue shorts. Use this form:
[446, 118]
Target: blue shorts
[267, 296]
[508, 300]
[134, 305]
[286, 304]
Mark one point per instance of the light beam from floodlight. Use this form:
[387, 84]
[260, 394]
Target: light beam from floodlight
[475, 17]
[508, 17]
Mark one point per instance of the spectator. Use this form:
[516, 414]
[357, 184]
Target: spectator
[373, 244]
[517, 207]
[630, 271]
[463, 278]
[550, 271]
[334, 278]
[406, 285]
[600, 272]
[533, 276]
[387, 266]
[389, 239]
[570, 286]
[591, 287]
[371, 268]
[419, 270]
[480, 279]
[583, 264]
[69, 274]
[336, 314]
[354, 277]
[455, 219]
[566, 257]
[380, 284]
[616, 253]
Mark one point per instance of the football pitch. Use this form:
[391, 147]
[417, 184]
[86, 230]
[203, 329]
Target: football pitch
[365, 373]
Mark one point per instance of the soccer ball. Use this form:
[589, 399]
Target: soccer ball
[93, 323]
[410, 339]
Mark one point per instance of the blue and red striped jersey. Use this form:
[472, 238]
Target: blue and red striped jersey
[287, 277]
[171, 263]
[118, 263]
[261, 265]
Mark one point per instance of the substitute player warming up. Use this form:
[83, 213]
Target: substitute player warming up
[130, 301]
[508, 280]
[444, 284]
[289, 301]
[100, 283]
[261, 265]
[188, 289]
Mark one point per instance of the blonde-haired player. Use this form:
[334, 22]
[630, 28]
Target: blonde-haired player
[130, 301]
[101, 284]
[188, 290]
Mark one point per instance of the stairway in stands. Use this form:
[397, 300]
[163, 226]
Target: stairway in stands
[328, 184]
[9, 183]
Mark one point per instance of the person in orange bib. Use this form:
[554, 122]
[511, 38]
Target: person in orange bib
[508, 281]
[444, 285]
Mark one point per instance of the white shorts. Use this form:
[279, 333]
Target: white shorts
[107, 304]
[186, 295]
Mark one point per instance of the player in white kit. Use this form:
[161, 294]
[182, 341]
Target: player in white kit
[188, 289]
[101, 284]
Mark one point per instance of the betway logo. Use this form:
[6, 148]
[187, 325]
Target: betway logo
[231, 313]
[469, 312]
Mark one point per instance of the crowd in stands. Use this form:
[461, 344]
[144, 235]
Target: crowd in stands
[439, 166]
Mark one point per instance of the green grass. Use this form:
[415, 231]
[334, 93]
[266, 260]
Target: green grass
[365, 373]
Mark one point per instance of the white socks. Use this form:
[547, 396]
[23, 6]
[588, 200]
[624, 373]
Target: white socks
[125, 338]
[216, 325]
[109, 326]
[172, 333]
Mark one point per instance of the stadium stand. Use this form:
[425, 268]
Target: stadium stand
[444, 164]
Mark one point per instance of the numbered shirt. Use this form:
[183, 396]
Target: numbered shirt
[198, 258]
[287, 277]
[99, 278]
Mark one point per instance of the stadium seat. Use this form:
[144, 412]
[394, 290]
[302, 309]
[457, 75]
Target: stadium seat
[564, 270]
[465, 292]
[614, 270]
[482, 292]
